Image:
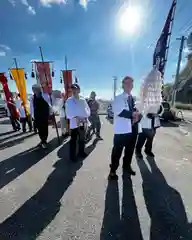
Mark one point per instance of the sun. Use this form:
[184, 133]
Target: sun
[130, 19]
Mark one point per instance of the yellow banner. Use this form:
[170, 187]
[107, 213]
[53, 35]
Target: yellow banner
[19, 77]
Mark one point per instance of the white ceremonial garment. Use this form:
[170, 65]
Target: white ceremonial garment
[31, 107]
[122, 125]
[21, 109]
[146, 122]
[76, 108]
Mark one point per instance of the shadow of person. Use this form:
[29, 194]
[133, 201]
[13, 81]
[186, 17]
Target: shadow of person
[129, 219]
[15, 134]
[16, 165]
[125, 226]
[6, 133]
[111, 225]
[36, 213]
[15, 141]
[164, 205]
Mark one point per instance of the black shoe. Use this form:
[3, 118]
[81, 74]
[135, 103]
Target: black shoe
[149, 153]
[82, 155]
[99, 137]
[129, 170]
[112, 176]
[138, 154]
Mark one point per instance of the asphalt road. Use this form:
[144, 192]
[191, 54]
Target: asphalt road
[46, 197]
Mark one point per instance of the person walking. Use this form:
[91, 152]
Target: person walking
[149, 124]
[94, 117]
[41, 115]
[77, 111]
[126, 128]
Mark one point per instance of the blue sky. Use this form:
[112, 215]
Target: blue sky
[88, 33]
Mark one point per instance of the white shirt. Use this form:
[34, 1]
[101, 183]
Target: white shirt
[76, 108]
[122, 125]
[20, 108]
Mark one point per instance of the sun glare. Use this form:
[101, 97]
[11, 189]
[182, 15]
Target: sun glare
[130, 19]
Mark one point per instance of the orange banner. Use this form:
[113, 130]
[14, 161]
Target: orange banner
[67, 77]
[44, 76]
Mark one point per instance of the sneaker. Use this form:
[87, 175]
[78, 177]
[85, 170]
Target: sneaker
[112, 176]
[129, 170]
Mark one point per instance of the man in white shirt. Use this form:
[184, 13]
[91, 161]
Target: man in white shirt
[149, 125]
[126, 118]
[77, 111]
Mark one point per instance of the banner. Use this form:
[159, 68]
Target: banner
[44, 76]
[67, 77]
[19, 76]
[8, 96]
[160, 53]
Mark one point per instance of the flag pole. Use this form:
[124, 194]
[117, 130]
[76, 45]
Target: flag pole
[50, 95]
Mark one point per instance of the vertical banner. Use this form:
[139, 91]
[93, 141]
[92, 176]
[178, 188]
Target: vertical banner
[67, 77]
[19, 76]
[8, 96]
[44, 76]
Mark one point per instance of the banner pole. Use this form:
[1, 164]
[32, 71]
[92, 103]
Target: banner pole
[50, 94]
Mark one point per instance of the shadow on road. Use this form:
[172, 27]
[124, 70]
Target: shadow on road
[18, 164]
[14, 142]
[5, 121]
[169, 124]
[164, 205]
[116, 226]
[6, 133]
[36, 213]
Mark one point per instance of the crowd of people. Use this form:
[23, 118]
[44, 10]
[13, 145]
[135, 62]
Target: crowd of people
[79, 118]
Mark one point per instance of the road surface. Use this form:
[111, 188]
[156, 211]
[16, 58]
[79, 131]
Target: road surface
[44, 196]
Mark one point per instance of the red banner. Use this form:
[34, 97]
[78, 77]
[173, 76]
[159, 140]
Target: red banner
[44, 76]
[8, 96]
[67, 77]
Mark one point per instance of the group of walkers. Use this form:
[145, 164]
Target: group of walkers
[78, 117]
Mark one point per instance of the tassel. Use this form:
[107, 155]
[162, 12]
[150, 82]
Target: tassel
[25, 75]
[53, 73]
[33, 72]
[61, 79]
[76, 80]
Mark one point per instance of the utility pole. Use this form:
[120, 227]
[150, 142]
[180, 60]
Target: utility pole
[114, 87]
[182, 40]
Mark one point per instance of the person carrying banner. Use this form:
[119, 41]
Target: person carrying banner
[94, 117]
[126, 128]
[149, 124]
[13, 115]
[77, 111]
[63, 120]
[24, 117]
[40, 109]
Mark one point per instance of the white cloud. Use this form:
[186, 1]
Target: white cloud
[30, 9]
[84, 3]
[2, 53]
[5, 47]
[47, 3]
[12, 2]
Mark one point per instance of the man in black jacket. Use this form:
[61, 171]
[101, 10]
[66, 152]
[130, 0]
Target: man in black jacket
[41, 115]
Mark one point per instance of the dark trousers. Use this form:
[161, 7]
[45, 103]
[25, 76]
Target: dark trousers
[24, 121]
[145, 137]
[34, 125]
[77, 137]
[123, 141]
[42, 127]
[95, 124]
[15, 123]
